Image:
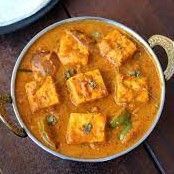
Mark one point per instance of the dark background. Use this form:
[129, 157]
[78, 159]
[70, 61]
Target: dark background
[156, 154]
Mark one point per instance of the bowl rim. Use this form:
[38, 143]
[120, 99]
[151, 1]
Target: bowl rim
[123, 28]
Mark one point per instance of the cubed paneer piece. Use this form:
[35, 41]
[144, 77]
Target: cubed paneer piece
[81, 37]
[30, 91]
[41, 96]
[117, 47]
[46, 94]
[86, 128]
[44, 63]
[87, 86]
[131, 88]
[72, 49]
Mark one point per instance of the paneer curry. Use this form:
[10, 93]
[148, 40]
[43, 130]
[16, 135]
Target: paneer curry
[87, 90]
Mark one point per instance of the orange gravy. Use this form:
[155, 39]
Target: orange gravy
[145, 114]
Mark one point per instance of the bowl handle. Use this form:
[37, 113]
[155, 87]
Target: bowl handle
[168, 46]
[4, 100]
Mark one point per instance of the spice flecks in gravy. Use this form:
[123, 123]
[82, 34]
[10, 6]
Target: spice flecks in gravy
[136, 72]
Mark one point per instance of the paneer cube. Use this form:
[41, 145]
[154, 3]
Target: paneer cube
[44, 63]
[131, 89]
[31, 90]
[42, 95]
[73, 48]
[86, 128]
[47, 94]
[87, 86]
[116, 47]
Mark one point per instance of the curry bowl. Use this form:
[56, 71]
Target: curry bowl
[75, 148]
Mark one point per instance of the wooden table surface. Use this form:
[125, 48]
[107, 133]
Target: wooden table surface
[156, 154]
